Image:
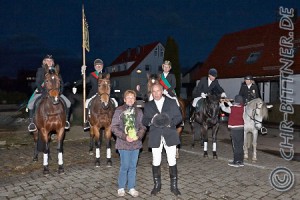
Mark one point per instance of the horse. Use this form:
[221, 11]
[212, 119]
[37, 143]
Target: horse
[153, 79]
[50, 117]
[255, 111]
[207, 116]
[100, 117]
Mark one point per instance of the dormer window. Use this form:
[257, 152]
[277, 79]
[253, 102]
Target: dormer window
[155, 51]
[253, 57]
[232, 60]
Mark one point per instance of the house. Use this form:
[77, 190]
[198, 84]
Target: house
[255, 52]
[129, 70]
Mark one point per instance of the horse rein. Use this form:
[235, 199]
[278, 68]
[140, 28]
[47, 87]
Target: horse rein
[253, 115]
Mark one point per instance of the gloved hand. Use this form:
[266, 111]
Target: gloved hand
[83, 68]
[223, 95]
[165, 92]
[203, 95]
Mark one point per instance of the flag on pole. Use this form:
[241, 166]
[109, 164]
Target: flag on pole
[85, 39]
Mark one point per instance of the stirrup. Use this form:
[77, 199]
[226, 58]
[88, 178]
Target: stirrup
[86, 126]
[32, 127]
[67, 126]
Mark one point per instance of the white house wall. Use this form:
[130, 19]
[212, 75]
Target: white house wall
[295, 85]
[231, 86]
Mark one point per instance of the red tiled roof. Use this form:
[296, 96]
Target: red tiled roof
[132, 55]
[264, 39]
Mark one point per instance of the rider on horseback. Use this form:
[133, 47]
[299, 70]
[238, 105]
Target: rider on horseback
[206, 85]
[48, 63]
[92, 80]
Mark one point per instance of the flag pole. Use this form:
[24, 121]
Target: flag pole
[83, 61]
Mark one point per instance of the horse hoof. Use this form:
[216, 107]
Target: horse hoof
[97, 164]
[46, 170]
[60, 169]
[215, 157]
[35, 159]
[91, 153]
[109, 163]
[205, 155]
[253, 161]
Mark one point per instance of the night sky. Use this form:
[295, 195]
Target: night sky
[32, 29]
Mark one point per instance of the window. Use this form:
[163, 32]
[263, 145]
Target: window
[155, 51]
[232, 60]
[113, 69]
[161, 52]
[147, 68]
[253, 57]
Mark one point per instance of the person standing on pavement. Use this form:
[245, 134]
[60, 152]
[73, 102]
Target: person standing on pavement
[162, 115]
[48, 62]
[236, 126]
[249, 89]
[129, 130]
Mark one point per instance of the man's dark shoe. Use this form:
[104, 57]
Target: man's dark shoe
[233, 164]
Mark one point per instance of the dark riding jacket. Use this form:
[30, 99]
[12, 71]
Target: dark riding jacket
[170, 134]
[118, 128]
[172, 80]
[213, 88]
[249, 94]
[39, 80]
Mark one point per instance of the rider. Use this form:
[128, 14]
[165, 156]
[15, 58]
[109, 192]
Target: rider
[206, 85]
[92, 80]
[48, 62]
[249, 89]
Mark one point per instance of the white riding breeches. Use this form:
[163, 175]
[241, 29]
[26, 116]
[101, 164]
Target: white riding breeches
[176, 101]
[89, 100]
[170, 151]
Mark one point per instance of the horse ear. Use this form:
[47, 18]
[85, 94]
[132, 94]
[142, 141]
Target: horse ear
[57, 69]
[159, 76]
[100, 76]
[107, 76]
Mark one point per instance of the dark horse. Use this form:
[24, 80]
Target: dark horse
[153, 79]
[206, 114]
[50, 117]
[101, 113]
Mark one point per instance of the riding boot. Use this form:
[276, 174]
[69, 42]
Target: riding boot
[67, 126]
[31, 126]
[156, 179]
[174, 178]
[86, 125]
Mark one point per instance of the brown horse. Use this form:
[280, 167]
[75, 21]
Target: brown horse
[101, 113]
[50, 117]
[153, 79]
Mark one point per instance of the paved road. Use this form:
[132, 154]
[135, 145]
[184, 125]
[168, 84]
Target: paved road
[199, 178]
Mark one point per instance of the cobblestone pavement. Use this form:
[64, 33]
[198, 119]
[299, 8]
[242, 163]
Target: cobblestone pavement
[199, 177]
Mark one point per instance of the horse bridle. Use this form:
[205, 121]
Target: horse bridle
[253, 115]
[56, 88]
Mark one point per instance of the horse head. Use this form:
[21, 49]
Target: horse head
[52, 86]
[104, 89]
[257, 110]
[213, 107]
[152, 79]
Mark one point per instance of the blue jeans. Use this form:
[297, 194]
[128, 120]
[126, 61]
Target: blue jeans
[127, 171]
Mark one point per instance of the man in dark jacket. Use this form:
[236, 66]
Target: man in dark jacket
[249, 89]
[48, 62]
[162, 115]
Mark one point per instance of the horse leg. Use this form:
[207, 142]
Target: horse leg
[97, 144]
[179, 131]
[60, 137]
[193, 134]
[205, 139]
[254, 143]
[45, 159]
[91, 145]
[108, 146]
[245, 145]
[214, 139]
[35, 151]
